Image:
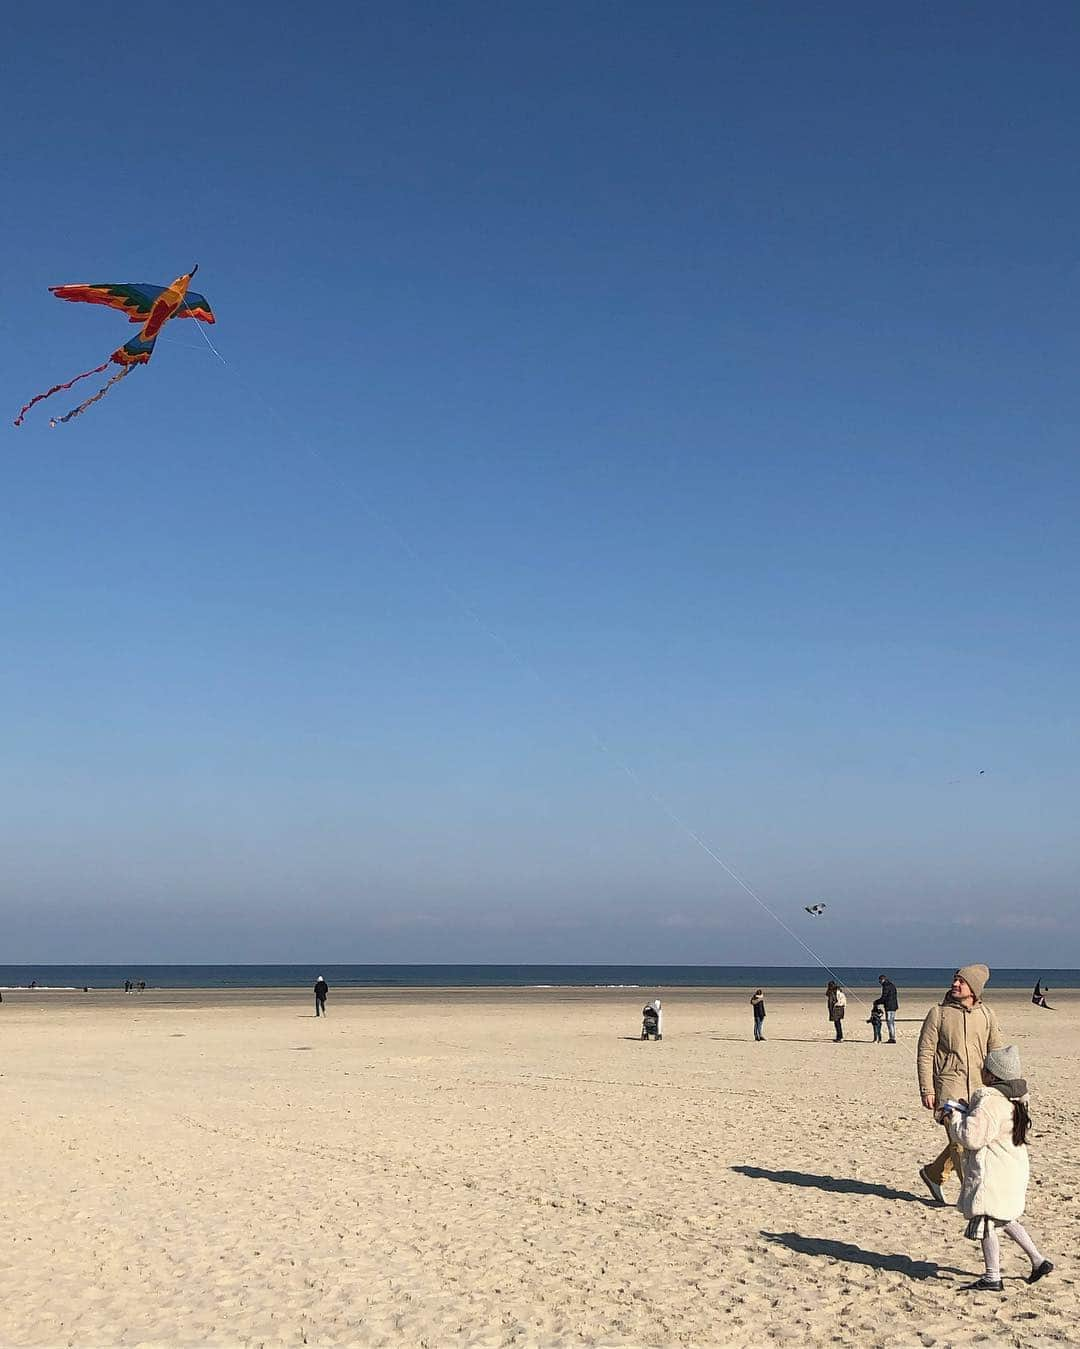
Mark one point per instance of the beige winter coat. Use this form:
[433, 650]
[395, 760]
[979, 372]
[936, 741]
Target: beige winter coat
[995, 1170]
[952, 1045]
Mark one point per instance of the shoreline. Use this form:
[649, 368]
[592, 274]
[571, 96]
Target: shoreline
[722, 995]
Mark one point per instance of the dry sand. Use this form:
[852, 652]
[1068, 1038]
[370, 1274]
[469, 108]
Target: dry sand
[500, 1168]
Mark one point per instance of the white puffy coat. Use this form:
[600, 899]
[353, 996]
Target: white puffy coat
[995, 1169]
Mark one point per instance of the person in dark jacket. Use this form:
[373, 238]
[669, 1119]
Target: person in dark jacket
[321, 990]
[757, 1002]
[889, 1004]
[836, 1000]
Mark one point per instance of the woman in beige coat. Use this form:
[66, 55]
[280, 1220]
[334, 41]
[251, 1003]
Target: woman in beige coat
[993, 1132]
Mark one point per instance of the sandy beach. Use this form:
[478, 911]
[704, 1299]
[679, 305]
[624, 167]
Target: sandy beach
[501, 1168]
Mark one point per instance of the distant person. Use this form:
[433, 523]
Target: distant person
[836, 1000]
[127, 985]
[890, 1004]
[875, 1019]
[757, 1002]
[955, 1039]
[321, 990]
[993, 1133]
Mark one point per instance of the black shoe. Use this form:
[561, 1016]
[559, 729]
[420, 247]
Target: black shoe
[1040, 1272]
[985, 1285]
[891, 1042]
[933, 1187]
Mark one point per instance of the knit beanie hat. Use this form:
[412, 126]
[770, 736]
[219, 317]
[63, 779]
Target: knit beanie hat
[1003, 1063]
[975, 976]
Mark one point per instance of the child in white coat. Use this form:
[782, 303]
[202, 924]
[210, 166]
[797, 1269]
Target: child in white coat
[993, 1130]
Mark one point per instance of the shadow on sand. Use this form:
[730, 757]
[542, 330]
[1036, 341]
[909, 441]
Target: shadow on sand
[791, 1039]
[833, 1184]
[855, 1255]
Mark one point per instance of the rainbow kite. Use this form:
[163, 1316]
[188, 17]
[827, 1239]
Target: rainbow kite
[152, 306]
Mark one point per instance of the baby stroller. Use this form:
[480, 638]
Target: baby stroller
[652, 1021]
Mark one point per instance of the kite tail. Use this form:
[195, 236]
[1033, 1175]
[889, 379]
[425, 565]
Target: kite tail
[56, 389]
[56, 421]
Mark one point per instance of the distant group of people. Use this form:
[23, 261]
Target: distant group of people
[134, 986]
[882, 1010]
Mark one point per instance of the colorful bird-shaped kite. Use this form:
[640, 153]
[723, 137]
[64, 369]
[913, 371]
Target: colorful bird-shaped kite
[815, 910]
[152, 306]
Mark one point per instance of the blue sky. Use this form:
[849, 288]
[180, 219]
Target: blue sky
[702, 378]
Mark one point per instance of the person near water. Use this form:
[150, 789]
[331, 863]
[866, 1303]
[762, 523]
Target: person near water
[757, 1002]
[890, 1004]
[321, 990]
[875, 1019]
[992, 1131]
[956, 1037]
[836, 1000]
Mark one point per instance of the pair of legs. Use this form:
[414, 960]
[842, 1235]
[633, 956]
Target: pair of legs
[875, 1026]
[890, 1021]
[759, 1028]
[991, 1249]
[320, 1006]
[839, 1024]
[944, 1164]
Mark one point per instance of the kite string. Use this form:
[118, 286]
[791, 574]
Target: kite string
[471, 613]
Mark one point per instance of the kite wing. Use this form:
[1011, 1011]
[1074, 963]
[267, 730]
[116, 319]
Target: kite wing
[195, 307]
[136, 299]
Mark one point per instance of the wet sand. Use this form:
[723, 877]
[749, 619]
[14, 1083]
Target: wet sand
[498, 1167]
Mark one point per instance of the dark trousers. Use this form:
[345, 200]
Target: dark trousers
[839, 1024]
[320, 1006]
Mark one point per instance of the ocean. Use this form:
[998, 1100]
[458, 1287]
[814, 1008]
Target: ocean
[508, 976]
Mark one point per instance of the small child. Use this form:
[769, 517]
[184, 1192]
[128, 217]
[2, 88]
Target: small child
[874, 1021]
[993, 1132]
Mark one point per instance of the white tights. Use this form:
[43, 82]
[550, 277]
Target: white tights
[992, 1248]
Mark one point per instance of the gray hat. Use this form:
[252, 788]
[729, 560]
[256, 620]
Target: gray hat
[1003, 1063]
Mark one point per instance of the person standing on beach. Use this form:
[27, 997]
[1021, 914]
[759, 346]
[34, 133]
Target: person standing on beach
[889, 1004]
[955, 1039]
[993, 1133]
[321, 990]
[836, 999]
[757, 1002]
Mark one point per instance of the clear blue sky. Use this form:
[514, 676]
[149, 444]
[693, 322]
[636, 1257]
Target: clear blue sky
[703, 377]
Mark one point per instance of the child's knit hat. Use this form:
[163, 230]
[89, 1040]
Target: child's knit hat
[1003, 1063]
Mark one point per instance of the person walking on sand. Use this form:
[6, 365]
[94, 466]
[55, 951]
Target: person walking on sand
[956, 1037]
[889, 1003]
[993, 1133]
[321, 990]
[836, 1000]
[757, 1002]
